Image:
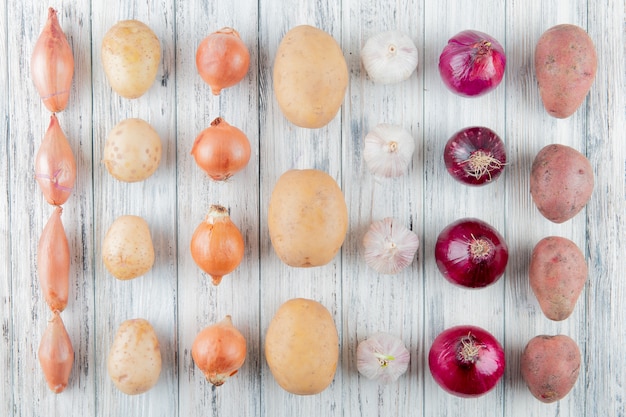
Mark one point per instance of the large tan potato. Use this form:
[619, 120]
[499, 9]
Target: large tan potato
[134, 361]
[565, 65]
[561, 182]
[130, 56]
[307, 218]
[310, 76]
[127, 250]
[557, 273]
[550, 366]
[302, 347]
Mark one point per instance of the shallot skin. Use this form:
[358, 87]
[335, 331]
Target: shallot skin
[55, 166]
[53, 262]
[52, 65]
[56, 354]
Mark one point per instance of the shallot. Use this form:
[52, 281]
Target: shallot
[52, 65]
[56, 354]
[53, 262]
[55, 166]
[472, 63]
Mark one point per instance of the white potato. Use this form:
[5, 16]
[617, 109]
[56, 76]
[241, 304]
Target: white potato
[134, 361]
[130, 56]
[132, 151]
[127, 249]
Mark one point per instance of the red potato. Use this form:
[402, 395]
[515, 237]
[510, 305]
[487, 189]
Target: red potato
[550, 366]
[565, 66]
[558, 273]
[561, 182]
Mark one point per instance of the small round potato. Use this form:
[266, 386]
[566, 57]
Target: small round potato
[550, 366]
[130, 56]
[132, 151]
[307, 218]
[561, 182]
[127, 249]
[302, 347]
[134, 361]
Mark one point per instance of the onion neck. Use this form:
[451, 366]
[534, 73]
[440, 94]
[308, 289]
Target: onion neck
[483, 48]
[481, 249]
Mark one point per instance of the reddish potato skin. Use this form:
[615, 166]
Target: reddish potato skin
[561, 182]
[558, 272]
[565, 66]
[550, 366]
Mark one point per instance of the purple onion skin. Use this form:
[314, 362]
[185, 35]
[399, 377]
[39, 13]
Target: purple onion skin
[464, 150]
[472, 63]
[461, 374]
[471, 253]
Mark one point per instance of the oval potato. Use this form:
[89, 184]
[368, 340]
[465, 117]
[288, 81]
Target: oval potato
[132, 151]
[557, 273]
[134, 361]
[127, 249]
[130, 57]
[561, 182]
[307, 218]
[565, 65]
[310, 77]
[550, 366]
[302, 347]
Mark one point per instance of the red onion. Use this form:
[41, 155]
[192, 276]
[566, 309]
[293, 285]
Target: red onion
[471, 253]
[475, 155]
[466, 361]
[472, 63]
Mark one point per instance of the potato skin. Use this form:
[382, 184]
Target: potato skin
[310, 77]
[302, 347]
[561, 182]
[558, 273]
[127, 250]
[565, 65]
[307, 218]
[130, 55]
[550, 366]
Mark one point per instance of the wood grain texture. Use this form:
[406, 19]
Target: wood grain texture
[417, 304]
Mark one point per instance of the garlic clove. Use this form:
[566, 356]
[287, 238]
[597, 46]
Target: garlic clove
[382, 357]
[388, 150]
[389, 246]
[389, 57]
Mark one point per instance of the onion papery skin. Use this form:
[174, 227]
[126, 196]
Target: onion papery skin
[471, 253]
[466, 361]
[52, 65]
[472, 63]
[475, 156]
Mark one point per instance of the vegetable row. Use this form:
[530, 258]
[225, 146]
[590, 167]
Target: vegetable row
[307, 215]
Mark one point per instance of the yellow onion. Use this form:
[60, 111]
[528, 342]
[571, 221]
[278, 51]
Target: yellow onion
[52, 65]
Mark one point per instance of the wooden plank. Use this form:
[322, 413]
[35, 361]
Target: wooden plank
[284, 146]
[6, 305]
[374, 302]
[606, 217]
[238, 294]
[152, 296]
[529, 128]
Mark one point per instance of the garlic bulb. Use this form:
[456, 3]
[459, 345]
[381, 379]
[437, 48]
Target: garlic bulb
[389, 57]
[383, 357]
[389, 247]
[388, 150]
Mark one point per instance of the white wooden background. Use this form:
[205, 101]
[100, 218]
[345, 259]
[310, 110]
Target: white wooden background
[416, 305]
